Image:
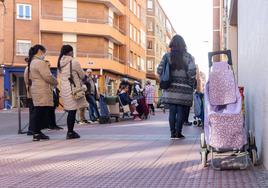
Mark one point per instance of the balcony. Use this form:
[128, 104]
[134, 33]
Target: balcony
[84, 26]
[116, 5]
[101, 61]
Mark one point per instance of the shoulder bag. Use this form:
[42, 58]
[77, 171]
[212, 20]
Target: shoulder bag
[77, 92]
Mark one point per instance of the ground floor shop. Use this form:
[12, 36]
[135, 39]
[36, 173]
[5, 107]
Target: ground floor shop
[12, 84]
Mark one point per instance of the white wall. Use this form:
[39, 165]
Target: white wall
[253, 67]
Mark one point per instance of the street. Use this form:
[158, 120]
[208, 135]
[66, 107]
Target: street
[124, 154]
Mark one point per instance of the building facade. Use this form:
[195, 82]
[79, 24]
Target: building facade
[246, 35]
[159, 33]
[107, 36]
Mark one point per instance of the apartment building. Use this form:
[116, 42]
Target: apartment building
[159, 33]
[107, 36]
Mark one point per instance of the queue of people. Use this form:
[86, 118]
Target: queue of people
[78, 91]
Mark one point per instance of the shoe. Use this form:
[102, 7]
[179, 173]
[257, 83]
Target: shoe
[30, 133]
[188, 124]
[86, 121]
[137, 119]
[179, 136]
[72, 135]
[173, 136]
[40, 136]
[56, 127]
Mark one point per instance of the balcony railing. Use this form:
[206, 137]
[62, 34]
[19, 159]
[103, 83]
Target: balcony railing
[108, 21]
[91, 55]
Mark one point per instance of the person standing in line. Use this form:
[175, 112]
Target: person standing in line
[6, 99]
[179, 95]
[29, 100]
[149, 94]
[40, 82]
[52, 124]
[71, 75]
[91, 95]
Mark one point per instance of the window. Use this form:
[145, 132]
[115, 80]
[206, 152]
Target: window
[142, 64]
[131, 5]
[70, 10]
[150, 65]
[70, 39]
[135, 7]
[139, 62]
[150, 26]
[131, 31]
[138, 37]
[111, 17]
[131, 58]
[139, 11]
[24, 11]
[22, 47]
[111, 50]
[134, 34]
[150, 4]
[143, 39]
[150, 45]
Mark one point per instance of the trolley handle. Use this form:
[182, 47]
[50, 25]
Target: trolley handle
[226, 52]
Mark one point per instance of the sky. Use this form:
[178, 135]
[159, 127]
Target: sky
[192, 19]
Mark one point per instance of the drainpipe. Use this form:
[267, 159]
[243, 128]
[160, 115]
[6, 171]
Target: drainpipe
[14, 33]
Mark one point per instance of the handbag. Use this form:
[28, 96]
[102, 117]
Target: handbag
[77, 92]
[165, 77]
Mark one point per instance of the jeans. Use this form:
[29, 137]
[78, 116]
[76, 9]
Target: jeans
[6, 104]
[93, 108]
[186, 114]
[176, 117]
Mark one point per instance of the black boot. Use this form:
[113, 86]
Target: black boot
[72, 135]
[40, 136]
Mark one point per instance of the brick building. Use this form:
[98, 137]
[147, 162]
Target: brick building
[159, 33]
[108, 36]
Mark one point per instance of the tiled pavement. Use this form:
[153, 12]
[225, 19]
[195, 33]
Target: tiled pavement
[126, 154]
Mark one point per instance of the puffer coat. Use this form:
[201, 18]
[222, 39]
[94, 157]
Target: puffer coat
[69, 103]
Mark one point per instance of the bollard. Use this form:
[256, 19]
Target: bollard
[19, 116]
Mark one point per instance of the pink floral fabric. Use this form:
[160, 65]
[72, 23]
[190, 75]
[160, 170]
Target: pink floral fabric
[227, 131]
[222, 86]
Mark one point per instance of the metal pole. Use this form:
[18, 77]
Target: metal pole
[19, 116]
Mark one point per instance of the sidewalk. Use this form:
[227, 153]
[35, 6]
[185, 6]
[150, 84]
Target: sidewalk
[125, 154]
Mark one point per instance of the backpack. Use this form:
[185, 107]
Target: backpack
[165, 77]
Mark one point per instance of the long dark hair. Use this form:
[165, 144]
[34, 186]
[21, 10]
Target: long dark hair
[65, 50]
[178, 49]
[33, 51]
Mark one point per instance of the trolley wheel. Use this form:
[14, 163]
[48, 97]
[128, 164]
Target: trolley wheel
[203, 141]
[251, 139]
[254, 157]
[204, 158]
[195, 122]
[199, 123]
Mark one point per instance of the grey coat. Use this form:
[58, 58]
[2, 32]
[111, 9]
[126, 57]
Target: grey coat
[183, 83]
